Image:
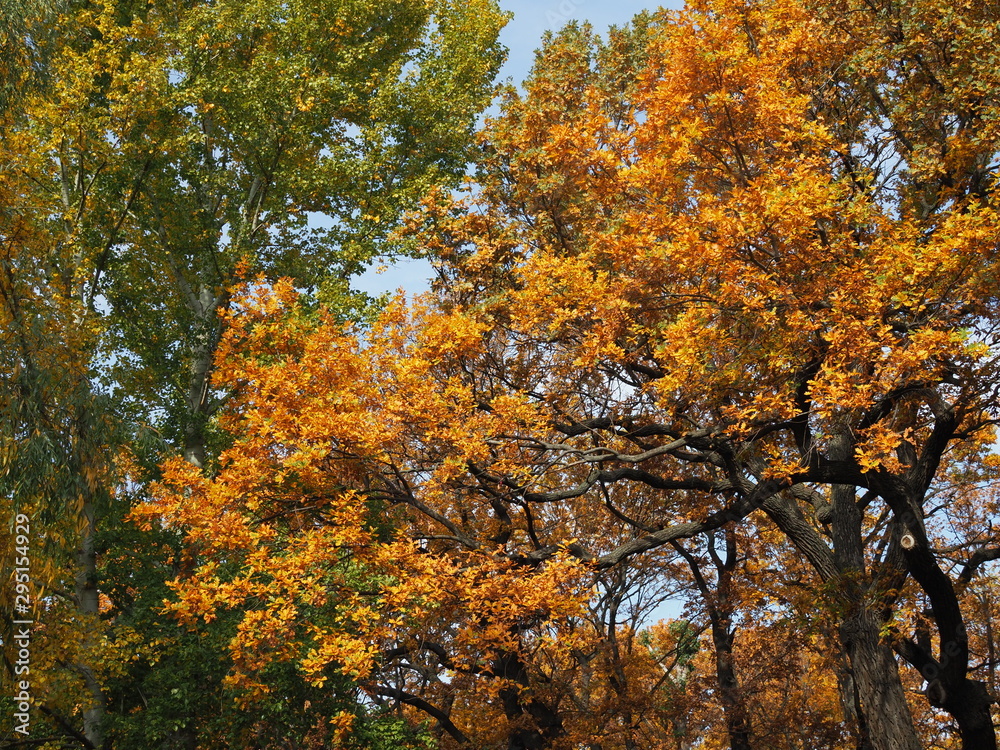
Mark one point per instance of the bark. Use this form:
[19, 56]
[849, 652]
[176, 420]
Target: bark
[617, 675]
[534, 725]
[850, 701]
[883, 717]
[948, 684]
[886, 715]
[199, 409]
[199, 403]
[194, 433]
[681, 732]
[720, 611]
[884, 721]
[88, 602]
[86, 593]
[733, 706]
[969, 703]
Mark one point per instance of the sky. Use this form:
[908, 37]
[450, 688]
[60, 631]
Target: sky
[522, 37]
[531, 19]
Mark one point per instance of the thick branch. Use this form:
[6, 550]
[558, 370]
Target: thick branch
[433, 711]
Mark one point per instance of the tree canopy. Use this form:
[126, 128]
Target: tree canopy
[155, 154]
[715, 320]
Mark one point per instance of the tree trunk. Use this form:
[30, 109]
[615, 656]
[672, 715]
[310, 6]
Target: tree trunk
[88, 602]
[948, 684]
[970, 704]
[886, 715]
[850, 701]
[719, 606]
[884, 712]
[534, 725]
[199, 407]
[730, 694]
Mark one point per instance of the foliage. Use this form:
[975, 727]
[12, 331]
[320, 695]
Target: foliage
[716, 321]
[731, 270]
[152, 156]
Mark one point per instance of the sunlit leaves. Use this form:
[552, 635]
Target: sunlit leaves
[755, 271]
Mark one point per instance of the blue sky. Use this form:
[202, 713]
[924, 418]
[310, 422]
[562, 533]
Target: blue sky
[532, 19]
[521, 36]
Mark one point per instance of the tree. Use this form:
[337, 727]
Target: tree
[748, 266]
[168, 151]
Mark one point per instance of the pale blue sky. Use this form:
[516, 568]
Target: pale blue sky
[532, 19]
[522, 36]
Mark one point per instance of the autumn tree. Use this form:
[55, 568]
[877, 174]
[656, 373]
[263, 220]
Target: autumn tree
[736, 263]
[163, 152]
